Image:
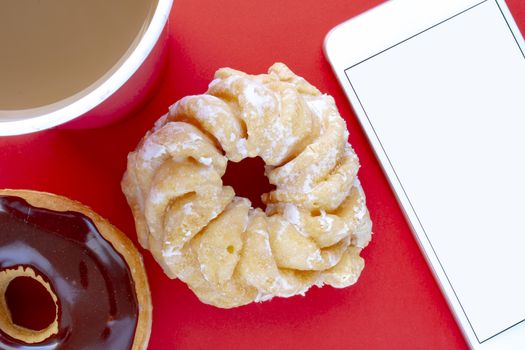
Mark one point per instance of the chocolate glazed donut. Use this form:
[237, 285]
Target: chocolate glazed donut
[90, 269]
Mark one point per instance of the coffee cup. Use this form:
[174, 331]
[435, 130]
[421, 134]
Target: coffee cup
[77, 63]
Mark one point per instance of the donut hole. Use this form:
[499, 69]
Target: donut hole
[30, 304]
[248, 180]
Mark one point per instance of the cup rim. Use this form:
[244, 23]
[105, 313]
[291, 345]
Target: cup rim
[104, 90]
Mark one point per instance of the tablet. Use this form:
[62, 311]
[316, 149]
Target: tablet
[439, 88]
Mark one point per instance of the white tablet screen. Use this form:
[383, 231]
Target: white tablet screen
[448, 106]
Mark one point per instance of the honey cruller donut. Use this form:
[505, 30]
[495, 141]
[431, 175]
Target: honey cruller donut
[316, 222]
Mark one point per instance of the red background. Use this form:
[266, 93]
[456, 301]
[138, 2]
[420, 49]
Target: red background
[396, 304]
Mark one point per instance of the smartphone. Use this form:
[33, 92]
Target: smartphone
[439, 88]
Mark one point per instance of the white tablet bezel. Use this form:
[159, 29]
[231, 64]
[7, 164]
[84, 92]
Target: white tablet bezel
[371, 33]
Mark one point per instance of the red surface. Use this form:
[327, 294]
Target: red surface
[396, 304]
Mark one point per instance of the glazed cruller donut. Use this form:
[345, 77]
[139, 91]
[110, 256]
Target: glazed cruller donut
[229, 253]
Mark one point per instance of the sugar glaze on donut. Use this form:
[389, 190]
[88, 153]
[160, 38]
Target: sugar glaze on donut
[229, 253]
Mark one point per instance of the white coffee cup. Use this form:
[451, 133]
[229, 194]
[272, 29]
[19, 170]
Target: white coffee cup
[109, 97]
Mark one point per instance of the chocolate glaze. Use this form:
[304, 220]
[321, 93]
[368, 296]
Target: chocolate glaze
[98, 307]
